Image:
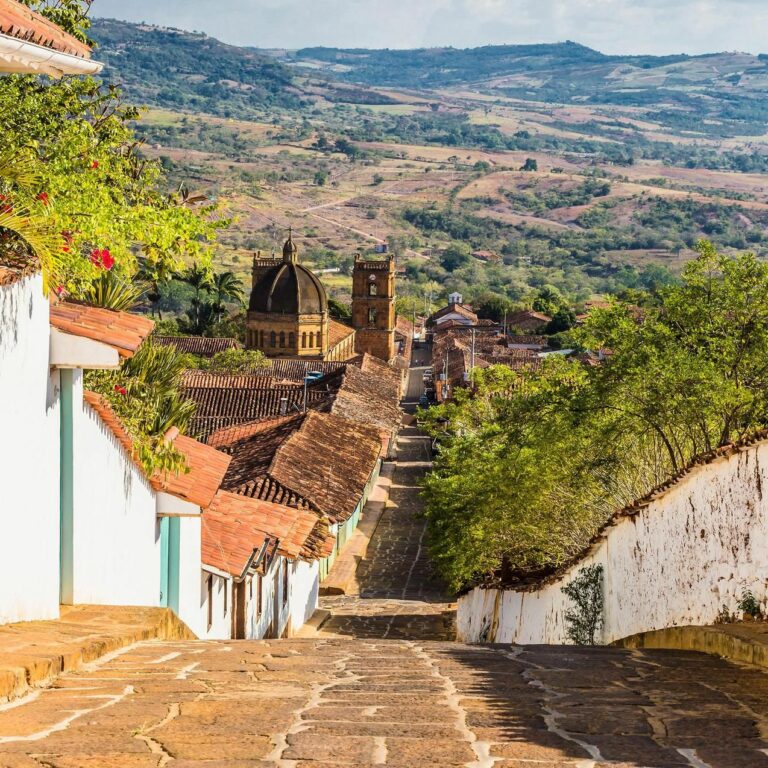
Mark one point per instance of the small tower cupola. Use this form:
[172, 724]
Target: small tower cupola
[290, 251]
[455, 299]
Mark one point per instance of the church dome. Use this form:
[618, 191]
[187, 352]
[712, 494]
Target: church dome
[288, 288]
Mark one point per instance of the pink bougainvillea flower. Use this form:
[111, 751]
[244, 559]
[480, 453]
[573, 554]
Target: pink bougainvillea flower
[43, 198]
[121, 390]
[60, 291]
[101, 257]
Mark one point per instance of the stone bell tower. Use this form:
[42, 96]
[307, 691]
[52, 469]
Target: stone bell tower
[373, 306]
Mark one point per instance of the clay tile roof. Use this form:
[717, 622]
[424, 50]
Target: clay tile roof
[121, 330]
[235, 525]
[201, 346]
[207, 466]
[225, 400]
[18, 21]
[14, 267]
[329, 460]
[458, 309]
[369, 396]
[337, 332]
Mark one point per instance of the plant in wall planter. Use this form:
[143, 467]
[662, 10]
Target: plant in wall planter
[749, 607]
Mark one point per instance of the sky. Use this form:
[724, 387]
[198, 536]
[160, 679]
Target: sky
[611, 26]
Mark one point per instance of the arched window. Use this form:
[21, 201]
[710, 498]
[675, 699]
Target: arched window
[311, 339]
[261, 336]
[282, 338]
[273, 339]
[373, 289]
[291, 340]
[304, 340]
[371, 317]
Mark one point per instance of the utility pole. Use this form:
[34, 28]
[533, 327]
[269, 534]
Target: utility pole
[306, 372]
[472, 365]
[505, 326]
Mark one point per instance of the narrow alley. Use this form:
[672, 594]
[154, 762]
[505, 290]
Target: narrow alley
[382, 684]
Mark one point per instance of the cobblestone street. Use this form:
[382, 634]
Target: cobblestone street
[384, 685]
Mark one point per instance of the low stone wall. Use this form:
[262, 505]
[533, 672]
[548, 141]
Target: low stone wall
[674, 560]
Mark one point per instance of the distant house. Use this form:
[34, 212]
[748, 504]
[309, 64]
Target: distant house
[456, 311]
[527, 321]
[488, 256]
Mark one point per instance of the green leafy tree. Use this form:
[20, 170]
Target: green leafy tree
[238, 361]
[455, 256]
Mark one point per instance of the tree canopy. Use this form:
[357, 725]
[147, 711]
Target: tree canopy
[533, 464]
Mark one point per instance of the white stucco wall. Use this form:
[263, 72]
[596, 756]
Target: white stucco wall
[191, 600]
[29, 457]
[304, 591]
[116, 541]
[220, 627]
[693, 549]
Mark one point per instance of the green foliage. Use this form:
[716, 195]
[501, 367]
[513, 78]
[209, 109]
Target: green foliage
[339, 310]
[455, 255]
[70, 15]
[585, 619]
[194, 72]
[531, 164]
[111, 291]
[146, 395]
[99, 194]
[238, 361]
[537, 462]
[749, 605]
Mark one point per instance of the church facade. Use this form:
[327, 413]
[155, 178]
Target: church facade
[288, 310]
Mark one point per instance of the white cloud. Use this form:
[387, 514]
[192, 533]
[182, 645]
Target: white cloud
[612, 26]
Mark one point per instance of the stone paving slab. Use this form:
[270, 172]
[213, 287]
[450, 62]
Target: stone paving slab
[346, 702]
[33, 653]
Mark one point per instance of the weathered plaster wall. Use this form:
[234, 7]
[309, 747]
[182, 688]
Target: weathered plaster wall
[116, 542]
[694, 548]
[29, 457]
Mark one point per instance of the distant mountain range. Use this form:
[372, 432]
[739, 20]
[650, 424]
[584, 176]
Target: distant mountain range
[177, 69]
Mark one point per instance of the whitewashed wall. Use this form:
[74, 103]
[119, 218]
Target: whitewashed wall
[258, 622]
[692, 550]
[304, 587]
[29, 457]
[116, 541]
[221, 614]
[191, 600]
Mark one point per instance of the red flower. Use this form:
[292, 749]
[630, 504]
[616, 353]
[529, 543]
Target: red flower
[6, 206]
[102, 258]
[43, 198]
[60, 291]
[121, 390]
[95, 164]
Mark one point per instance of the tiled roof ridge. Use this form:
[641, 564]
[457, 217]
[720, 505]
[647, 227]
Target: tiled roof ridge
[633, 509]
[229, 436]
[22, 23]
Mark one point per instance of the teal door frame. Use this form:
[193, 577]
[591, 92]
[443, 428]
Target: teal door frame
[67, 489]
[170, 562]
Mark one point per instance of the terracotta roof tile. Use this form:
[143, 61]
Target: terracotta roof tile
[207, 469]
[122, 330]
[16, 20]
[337, 332]
[458, 309]
[207, 466]
[329, 460]
[224, 400]
[201, 346]
[14, 267]
[235, 525]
